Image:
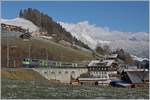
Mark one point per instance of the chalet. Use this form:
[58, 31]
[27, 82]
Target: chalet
[136, 77]
[89, 79]
[93, 81]
[100, 71]
[103, 65]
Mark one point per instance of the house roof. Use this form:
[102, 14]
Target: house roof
[93, 62]
[134, 69]
[108, 62]
[90, 79]
[113, 56]
[138, 76]
[103, 62]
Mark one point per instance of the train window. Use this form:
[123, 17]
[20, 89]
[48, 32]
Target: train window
[35, 60]
[24, 59]
[59, 72]
[45, 72]
[66, 72]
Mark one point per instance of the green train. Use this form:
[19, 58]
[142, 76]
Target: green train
[35, 63]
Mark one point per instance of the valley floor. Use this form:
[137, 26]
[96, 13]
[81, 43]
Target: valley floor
[22, 89]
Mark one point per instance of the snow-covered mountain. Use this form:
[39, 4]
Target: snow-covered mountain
[135, 43]
[139, 58]
[21, 22]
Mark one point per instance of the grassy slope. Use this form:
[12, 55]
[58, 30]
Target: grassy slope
[43, 90]
[21, 74]
[38, 51]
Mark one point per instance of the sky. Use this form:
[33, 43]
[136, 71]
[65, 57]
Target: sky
[124, 16]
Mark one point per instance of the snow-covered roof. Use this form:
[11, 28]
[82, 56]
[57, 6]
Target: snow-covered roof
[91, 79]
[107, 62]
[46, 37]
[93, 62]
[113, 55]
[133, 69]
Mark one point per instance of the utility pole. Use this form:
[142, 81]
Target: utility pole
[7, 48]
[46, 54]
[14, 63]
[29, 48]
[13, 54]
[102, 77]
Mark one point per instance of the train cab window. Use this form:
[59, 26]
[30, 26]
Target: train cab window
[72, 72]
[35, 60]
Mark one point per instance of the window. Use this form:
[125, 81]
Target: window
[53, 72]
[72, 72]
[59, 72]
[45, 72]
[66, 72]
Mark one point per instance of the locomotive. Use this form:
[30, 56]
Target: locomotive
[35, 63]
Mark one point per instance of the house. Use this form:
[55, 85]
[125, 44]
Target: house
[104, 68]
[112, 56]
[90, 81]
[136, 77]
[94, 81]
[103, 65]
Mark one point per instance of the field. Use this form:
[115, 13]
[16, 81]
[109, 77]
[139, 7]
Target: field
[39, 49]
[22, 89]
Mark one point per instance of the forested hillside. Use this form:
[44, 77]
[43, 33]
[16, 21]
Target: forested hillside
[47, 24]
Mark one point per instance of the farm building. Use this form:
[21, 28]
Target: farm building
[94, 81]
[137, 77]
[90, 79]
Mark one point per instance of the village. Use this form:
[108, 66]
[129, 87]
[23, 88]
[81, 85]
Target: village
[106, 70]
[74, 50]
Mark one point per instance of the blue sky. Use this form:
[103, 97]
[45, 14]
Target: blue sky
[124, 16]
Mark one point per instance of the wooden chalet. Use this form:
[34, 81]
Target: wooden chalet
[137, 78]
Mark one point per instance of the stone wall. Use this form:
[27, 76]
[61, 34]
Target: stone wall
[62, 74]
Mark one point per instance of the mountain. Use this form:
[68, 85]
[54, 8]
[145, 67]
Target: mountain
[83, 34]
[135, 43]
[140, 62]
[139, 58]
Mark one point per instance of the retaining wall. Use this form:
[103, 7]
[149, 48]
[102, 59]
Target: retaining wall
[62, 74]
